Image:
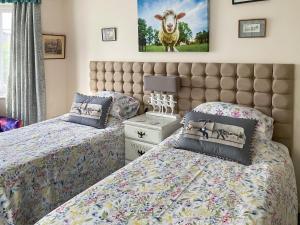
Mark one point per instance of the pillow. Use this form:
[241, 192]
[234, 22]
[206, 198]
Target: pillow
[124, 107]
[90, 110]
[219, 136]
[264, 128]
[7, 124]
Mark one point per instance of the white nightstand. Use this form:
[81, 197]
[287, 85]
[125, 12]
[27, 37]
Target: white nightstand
[146, 131]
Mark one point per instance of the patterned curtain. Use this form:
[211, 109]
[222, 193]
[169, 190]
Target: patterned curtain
[26, 95]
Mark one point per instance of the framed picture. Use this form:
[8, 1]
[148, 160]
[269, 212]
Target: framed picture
[173, 25]
[252, 28]
[109, 34]
[234, 2]
[54, 46]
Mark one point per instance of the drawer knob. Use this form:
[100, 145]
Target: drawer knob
[141, 153]
[141, 134]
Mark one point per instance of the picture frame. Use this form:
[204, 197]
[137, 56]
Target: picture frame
[54, 46]
[252, 28]
[109, 34]
[173, 26]
[236, 2]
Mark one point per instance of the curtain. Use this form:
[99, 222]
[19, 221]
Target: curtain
[26, 95]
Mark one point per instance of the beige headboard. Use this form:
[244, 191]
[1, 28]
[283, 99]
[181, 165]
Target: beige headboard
[267, 87]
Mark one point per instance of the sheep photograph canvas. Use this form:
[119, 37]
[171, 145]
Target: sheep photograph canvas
[173, 25]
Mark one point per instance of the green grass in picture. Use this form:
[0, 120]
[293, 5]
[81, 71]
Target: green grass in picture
[193, 48]
[183, 48]
[155, 48]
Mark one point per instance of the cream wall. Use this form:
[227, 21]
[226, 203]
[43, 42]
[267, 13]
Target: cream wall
[280, 46]
[53, 21]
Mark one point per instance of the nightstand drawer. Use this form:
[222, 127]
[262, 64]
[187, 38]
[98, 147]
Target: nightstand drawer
[143, 134]
[135, 149]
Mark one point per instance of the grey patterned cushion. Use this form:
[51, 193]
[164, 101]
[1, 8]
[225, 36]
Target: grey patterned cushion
[123, 106]
[90, 110]
[220, 136]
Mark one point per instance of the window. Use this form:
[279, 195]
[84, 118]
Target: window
[5, 33]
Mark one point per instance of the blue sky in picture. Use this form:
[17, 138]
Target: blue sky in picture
[196, 12]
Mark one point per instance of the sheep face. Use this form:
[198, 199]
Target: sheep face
[169, 21]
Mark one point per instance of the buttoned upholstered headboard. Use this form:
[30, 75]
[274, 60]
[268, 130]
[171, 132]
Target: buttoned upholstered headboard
[266, 87]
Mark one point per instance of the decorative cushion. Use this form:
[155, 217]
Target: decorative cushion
[90, 110]
[264, 128]
[7, 124]
[220, 136]
[123, 107]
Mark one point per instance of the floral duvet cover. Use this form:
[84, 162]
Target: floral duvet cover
[172, 186]
[46, 164]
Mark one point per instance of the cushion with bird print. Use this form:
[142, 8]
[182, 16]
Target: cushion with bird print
[90, 110]
[219, 136]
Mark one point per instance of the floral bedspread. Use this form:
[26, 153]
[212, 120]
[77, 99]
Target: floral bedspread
[171, 186]
[46, 164]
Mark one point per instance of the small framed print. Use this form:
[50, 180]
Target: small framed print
[235, 2]
[252, 28]
[54, 46]
[109, 34]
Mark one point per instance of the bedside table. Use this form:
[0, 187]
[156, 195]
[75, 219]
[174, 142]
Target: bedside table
[145, 132]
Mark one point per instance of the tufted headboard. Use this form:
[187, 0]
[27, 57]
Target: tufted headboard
[266, 87]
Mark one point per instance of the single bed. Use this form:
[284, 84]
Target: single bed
[173, 186]
[46, 164]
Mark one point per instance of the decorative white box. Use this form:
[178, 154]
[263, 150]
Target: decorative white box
[145, 132]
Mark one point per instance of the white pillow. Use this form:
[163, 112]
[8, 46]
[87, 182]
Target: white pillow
[264, 127]
[123, 107]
